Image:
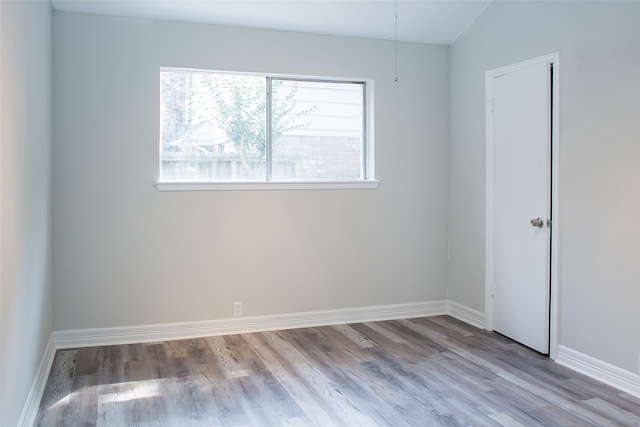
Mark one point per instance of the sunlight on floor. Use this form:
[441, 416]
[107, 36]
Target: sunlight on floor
[114, 393]
[137, 390]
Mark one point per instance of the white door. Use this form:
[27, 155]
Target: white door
[519, 121]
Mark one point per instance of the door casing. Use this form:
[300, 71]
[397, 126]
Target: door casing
[553, 59]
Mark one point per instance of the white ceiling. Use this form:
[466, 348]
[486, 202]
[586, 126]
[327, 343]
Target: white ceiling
[425, 21]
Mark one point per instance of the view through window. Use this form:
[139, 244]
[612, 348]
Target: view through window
[222, 127]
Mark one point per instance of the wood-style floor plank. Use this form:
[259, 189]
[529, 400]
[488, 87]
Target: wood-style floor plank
[434, 371]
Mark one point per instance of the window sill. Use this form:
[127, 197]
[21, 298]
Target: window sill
[259, 186]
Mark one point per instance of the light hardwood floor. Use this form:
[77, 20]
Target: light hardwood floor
[419, 372]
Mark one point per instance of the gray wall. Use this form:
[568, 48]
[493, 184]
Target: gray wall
[127, 254]
[599, 158]
[25, 207]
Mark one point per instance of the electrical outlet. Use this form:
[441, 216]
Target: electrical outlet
[237, 309]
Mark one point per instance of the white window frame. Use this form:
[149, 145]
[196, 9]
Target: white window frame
[370, 182]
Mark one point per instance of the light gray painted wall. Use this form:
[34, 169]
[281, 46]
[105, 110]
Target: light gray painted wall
[25, 203]
[126, 254]
[599, 154]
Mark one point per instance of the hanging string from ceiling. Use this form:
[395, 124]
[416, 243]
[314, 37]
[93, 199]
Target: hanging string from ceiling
[395, 78]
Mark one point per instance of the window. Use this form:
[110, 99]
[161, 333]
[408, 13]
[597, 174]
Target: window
[249, 130]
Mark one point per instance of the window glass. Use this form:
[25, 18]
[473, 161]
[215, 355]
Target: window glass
[222, 127]
[317, 131]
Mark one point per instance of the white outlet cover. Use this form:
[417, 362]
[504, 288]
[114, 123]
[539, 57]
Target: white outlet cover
[237, 309]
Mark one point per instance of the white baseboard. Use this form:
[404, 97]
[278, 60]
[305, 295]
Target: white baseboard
[609, 374]
[30, 410]
[599, 370]
[172, 331]
[466, 314]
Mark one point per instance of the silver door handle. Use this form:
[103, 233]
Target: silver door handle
[537, 222]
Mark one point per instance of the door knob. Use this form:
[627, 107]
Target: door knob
[537, 222]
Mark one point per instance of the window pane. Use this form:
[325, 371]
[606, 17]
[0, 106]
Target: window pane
[317, 131]
[213, 127]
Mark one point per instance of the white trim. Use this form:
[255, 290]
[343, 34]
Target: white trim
[488, 268]
[368, 140]
[266, 185]
[466, 314]
[172, 331]
[614, 376]
[30, 409]
[597, 369]
[554, 59]
[277, 76]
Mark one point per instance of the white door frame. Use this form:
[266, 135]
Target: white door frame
[554, 59]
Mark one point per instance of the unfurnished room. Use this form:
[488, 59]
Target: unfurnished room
[319, 213]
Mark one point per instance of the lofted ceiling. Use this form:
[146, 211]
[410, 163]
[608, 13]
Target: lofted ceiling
[423, 21]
